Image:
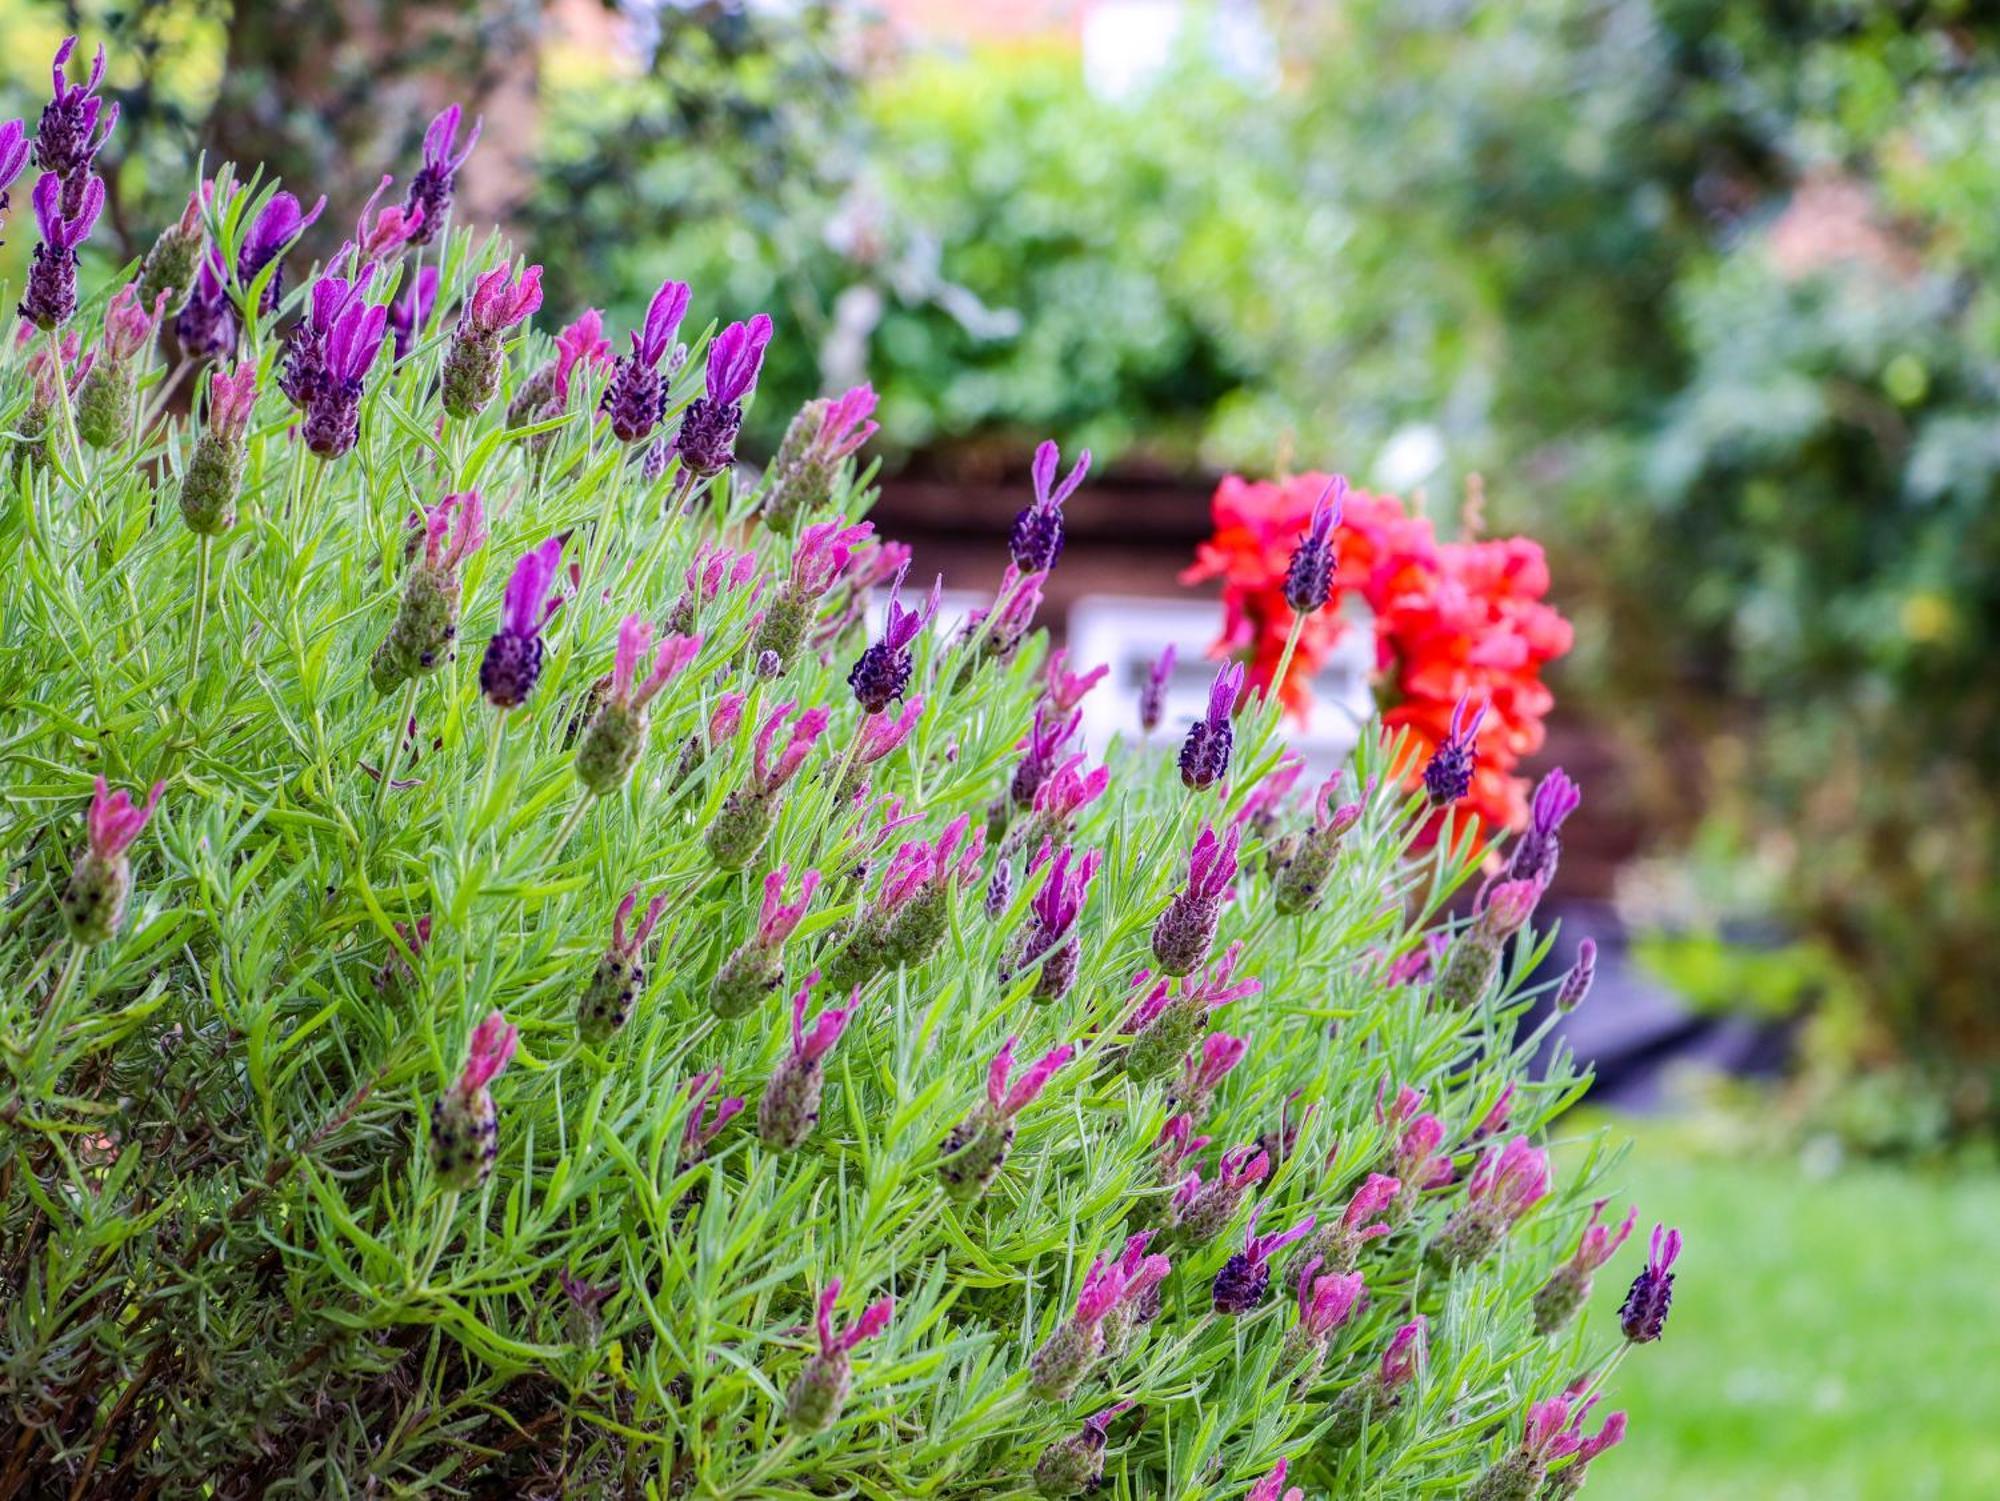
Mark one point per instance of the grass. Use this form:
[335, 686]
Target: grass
[1832, 1337]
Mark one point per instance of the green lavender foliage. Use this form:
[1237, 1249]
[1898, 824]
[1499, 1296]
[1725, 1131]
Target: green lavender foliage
[228, 1268]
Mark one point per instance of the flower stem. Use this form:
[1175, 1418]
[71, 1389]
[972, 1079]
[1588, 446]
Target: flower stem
[406, 707]
[568, 826]
[1276, 690]
[204, 546]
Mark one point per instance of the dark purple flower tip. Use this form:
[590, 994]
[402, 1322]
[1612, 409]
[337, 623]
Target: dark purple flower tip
[75, 123]
[1309, 575]
[663, 321]
[441, 137]
[1222, 694]
[736, 357]
[530, 597]
[1539, 848]
[1575, 985]
[1153, 692]
[1448, 776]
[1644, 1314]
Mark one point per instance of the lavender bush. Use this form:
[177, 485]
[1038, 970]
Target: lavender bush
[516, 983]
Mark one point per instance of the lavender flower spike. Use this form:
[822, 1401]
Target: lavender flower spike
[1508, 1182]
[616, 733]
[429, 200]
[706, 441]
[215, 469]
[513, 661]
[425, 631]
[13, 157]
[333, 412]
[49, 298]
[499, 301]
[620, 975]
[1448, 775]
[1575, 986]
[1037, 540]
[821, 1389]
[465, 1126]
[1245, 1278]
[1066, 1356]
[1074, 1466]
[978, 1145]
[1379, 1393]
[93, 903]
[790, 1107]
[1153, 692]
[1644, 1314]
[276, 229]
[882, 672]
[636, 397]
[73, 128]
[1205, 753]
[1568, 1287]
[755, 967]
[1185, 931]
[1309, 576]
[1538, 850]
[1272, 1487]
[1050, 939]
[824, 433]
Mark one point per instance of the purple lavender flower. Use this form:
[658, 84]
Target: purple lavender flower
[73, 129]
[743, 822]
[790, 1107]
[333, 413]
[1066, 1356]
[882, 672]
[706, 1119]
[1246, 1277]
[13, 157]
[816, 441]
[1037, 540]
[1153, 692]
[1379, 1393]
[1044, 743]
[821, 556]
[998, 631]
[1205, 753]
[1575, 985]
[49, 298]
[465, 1126]
[412, 310]
[1473, 964]
[1448, 775]
[303, 377]
[1508, 1182]
[1185, 931]
[1553, 1432]
[706, 441]
[380, 235]
[821, 1390]
[977, 1146]
[1203, 1071]
[1201, 1211]
[429, 200]
[1337, 1246]
[1074, 1466]
[276, 229]
[1538, 850]
[1050, 940]
[1325, 1303]
[636, 397]
[607, 1001]
[755, 967]
[1568, 1287]
[1644, 1314]
[206, 327]
[499, 301]
[1062, 689]
[1309, 575]
[93, 901]
[513, 661]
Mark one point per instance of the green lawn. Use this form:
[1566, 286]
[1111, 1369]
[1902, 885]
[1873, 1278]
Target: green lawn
[1834, 1337]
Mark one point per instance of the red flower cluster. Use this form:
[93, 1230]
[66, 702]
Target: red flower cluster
[1452, 620]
